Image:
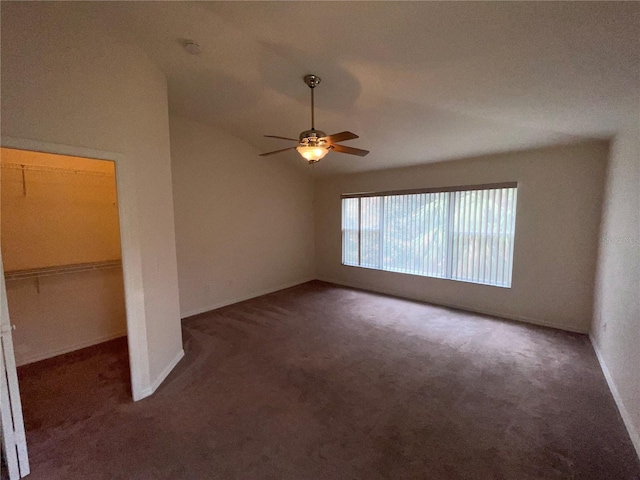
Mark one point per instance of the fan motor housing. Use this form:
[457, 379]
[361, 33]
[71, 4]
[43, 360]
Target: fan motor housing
[311, 137]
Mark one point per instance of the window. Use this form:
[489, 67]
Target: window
[460, 233]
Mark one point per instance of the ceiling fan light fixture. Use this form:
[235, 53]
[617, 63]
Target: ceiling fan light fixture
[314, 144]
[312, 153]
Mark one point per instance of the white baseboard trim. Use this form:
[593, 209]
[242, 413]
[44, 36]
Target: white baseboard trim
[161, 378]
[225, 303]
[466, 308]
[624, 413]
[70, 348]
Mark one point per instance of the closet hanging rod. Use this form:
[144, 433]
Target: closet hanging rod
[60, 270]
[68, 171]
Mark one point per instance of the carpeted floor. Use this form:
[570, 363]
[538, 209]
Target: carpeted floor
[320, 382]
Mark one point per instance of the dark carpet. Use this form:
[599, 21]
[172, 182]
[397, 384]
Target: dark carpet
[321, 382]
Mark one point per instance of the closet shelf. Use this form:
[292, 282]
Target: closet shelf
[62, 170]
[60, 270]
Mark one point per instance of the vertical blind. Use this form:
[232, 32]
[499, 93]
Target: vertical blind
[462, 233]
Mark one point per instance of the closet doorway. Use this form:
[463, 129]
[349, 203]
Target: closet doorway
[61, 251]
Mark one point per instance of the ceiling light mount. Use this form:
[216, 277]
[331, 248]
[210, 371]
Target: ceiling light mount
[312, 80]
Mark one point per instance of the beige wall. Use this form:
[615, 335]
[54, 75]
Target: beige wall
[616, 325]
[64, 81]
[559, 196]
[244, 224]
[63, 313]
[59, 210]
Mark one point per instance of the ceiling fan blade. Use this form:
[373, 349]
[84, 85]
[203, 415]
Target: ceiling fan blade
[277, 151]
[349, 150]
[282, 138]
[340, 137]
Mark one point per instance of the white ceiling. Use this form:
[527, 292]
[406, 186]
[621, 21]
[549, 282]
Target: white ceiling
[419, 82]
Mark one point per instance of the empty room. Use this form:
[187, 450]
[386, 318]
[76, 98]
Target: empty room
[332, 240]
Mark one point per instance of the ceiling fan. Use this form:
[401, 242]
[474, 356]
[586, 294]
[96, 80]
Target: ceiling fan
[315, 144]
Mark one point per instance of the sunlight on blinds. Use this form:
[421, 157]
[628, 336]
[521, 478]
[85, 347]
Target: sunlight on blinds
[413, 238]
[462, 235]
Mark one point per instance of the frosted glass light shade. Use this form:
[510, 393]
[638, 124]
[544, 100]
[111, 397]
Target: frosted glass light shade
[312, 153]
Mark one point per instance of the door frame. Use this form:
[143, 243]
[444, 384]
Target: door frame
[14, 441]
[130, 246]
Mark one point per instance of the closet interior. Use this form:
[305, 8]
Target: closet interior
[61, 251]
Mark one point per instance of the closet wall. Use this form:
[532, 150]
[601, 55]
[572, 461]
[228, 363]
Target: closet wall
[61, 251]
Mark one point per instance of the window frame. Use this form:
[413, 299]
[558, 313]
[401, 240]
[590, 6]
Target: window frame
[448, 233]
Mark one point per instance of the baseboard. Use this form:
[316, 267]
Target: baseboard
[71, 348]
[466, 308]
[624, 413]
[161, 378]
[225, 303]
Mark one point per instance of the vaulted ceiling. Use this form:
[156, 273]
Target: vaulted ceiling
[419, 81]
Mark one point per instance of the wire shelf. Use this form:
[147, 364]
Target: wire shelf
[42, 168]
[60, 270]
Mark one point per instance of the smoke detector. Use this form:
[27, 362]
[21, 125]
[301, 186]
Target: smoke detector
[192, 48]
